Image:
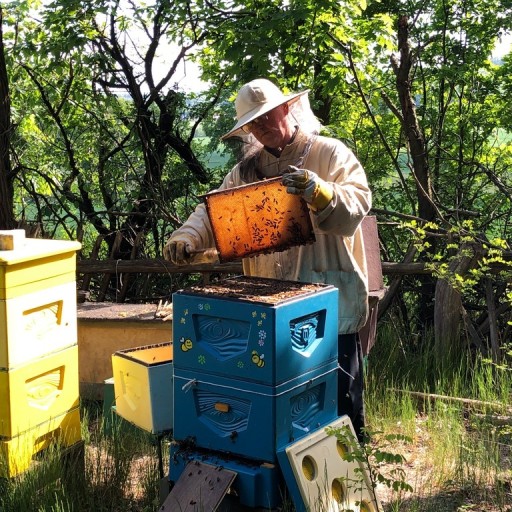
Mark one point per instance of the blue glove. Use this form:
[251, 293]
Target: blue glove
[315, 191]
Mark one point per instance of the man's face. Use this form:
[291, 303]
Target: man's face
[273, 129]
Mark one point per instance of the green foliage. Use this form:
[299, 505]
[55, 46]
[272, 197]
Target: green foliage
[382, 466]
[107, 138]
[91, 147]
[469, 262]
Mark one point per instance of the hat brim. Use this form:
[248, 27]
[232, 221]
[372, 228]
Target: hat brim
[263, 109]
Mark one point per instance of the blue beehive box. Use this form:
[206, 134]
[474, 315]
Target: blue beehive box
[251, 419]
[260, 330]
[257, 485]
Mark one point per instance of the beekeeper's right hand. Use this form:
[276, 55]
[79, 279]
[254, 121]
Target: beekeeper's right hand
[178, 249]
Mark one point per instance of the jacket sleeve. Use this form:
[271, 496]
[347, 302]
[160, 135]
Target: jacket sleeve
[352, 197]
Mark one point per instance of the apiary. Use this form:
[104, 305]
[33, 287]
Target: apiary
[143, 380]
[257, 218]
[261, 330]
[249, 419]
[255, 368]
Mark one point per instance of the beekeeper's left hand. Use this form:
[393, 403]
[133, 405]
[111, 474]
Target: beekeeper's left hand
[315, 191]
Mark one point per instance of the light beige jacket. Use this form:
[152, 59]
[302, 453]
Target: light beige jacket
[337, 257]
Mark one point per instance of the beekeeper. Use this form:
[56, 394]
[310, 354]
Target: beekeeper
[281, 137]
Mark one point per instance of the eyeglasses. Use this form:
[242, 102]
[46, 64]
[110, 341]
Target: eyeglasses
[247, 128]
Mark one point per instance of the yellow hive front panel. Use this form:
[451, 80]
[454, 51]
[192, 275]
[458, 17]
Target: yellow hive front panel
[16, 453]
[326, 476]
[131, 387]
[142, 380]
[35, 392]
[37, 324]
[36, 265]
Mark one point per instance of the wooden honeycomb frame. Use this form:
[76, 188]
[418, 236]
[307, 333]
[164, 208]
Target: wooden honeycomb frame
[258, 218]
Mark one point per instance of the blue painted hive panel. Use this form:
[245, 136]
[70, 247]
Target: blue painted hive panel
[257, 485]
[263, 330]
[249, 419]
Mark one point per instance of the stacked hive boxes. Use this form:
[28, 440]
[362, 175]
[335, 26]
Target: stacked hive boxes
[39, 396]
[255, 367]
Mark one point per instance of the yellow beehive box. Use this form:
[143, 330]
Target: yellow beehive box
[17, 452]
[37, 391]
[37, 324]
[143, 386]
[35, 265]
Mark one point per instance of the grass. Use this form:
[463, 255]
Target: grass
[460, 455]
[455, 455]
[117, 470]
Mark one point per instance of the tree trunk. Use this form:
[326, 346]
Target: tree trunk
[413, 131]
[419, 155]
[7, 220]
[448, 302]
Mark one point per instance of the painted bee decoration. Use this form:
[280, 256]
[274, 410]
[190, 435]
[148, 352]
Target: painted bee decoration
[258, 359]
[186, 344]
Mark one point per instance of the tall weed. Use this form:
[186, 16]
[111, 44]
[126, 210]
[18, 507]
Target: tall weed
[448, 404]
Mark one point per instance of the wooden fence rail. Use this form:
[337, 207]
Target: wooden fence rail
[152, 266]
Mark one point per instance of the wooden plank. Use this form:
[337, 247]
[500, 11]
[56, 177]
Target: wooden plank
[125, 278]
[372, 252]
[161, 266]
[368, 332]
[94, 255]
[106, 278]
[200, 488]
[153, 266]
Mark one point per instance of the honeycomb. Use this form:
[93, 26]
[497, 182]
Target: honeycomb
[258, 218]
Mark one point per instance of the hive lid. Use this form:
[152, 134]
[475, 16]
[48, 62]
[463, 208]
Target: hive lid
[257, 218]
[37, 248]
